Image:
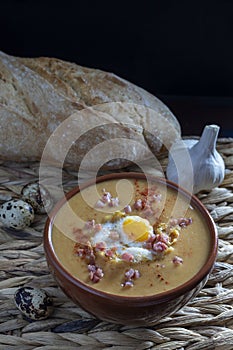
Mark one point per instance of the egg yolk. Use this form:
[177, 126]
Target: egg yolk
[136, 230]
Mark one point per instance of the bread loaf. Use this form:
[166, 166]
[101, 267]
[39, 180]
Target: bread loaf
[75, 114]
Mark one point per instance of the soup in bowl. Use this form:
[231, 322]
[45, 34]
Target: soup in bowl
[130, 248]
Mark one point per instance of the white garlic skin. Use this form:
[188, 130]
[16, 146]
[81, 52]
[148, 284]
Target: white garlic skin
[205, 168]
[16, 214]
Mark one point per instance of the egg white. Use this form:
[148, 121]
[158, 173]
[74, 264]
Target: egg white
[125, 243]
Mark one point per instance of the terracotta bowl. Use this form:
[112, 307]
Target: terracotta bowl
[142, 310]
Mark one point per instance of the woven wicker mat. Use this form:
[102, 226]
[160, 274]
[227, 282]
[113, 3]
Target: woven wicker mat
[205, 323]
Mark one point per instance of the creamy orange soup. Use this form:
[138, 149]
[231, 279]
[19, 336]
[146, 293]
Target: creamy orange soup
[130, 237]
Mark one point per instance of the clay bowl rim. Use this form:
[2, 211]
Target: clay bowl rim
[137, 300]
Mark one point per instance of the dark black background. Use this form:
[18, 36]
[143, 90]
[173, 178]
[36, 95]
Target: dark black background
[181, 51]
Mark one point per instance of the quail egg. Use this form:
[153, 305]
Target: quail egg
[34, 303]
[38, 196]
[127, 237]
[16, 214]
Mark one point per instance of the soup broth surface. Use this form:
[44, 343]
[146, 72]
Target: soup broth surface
[157, 241]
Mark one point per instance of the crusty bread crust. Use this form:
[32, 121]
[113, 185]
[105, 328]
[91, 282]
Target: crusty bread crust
[38, 95]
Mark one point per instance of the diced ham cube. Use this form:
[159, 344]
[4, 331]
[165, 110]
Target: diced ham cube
[95, 273]
[127, 257]
[110, 253]
[100, 246]
[177, 260]
[159, 247]
[114, 202]
[138, 204]
[106, 197]
[129, 273]
[91, 268]
[127, 284]
[89, 224]
[136, 274]
[127, 209]
[183, 222]
[80, 252]
[151, 238]
[99, 272]
[162, 237]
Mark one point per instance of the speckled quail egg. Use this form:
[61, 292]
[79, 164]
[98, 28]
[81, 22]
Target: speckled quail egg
[38, 196]
[16, 214]
[34, 303]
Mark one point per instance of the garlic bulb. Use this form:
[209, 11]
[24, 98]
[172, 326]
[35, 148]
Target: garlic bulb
[196, 165]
